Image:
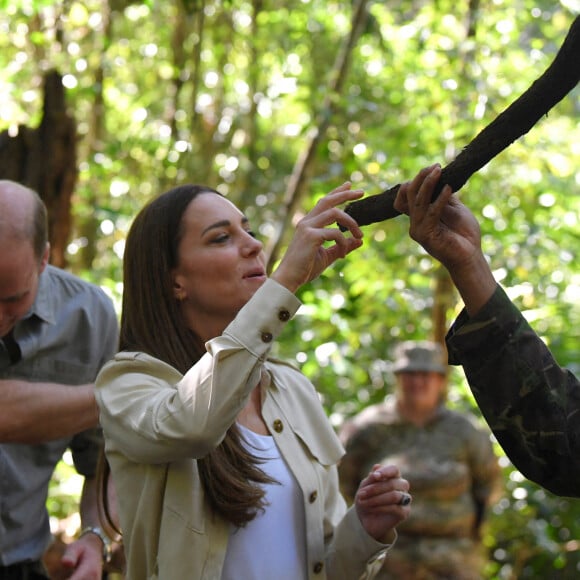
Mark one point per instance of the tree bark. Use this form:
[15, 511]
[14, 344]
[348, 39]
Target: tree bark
[548, 90]
[44, 159]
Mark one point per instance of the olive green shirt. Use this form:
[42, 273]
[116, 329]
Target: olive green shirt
[452, 471]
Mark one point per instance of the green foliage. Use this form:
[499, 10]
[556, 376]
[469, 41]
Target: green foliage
[64, 493]
[168, 92]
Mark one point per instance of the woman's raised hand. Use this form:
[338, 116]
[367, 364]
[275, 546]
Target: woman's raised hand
[308, 254]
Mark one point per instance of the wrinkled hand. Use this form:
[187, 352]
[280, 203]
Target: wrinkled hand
[377, 501]
[445, 227]
[84, 558]
[307, 256]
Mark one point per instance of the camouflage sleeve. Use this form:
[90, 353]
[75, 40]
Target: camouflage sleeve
[485, 473]
[529, 401]
[363, 438]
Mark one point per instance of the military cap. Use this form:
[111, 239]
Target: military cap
[422, 356]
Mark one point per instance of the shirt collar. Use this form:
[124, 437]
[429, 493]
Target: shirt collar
[43, 306]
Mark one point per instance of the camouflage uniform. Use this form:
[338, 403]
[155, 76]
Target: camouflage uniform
[531, 404]
[452, 470]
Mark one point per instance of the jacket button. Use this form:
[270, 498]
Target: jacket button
[267, 337]
[278, 426]
[284, 315]
[318, 567]
[313, 496]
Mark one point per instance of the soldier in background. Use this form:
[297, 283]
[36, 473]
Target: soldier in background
[447, 459]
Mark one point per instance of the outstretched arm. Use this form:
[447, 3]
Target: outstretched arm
[37, 412]
[529, 401]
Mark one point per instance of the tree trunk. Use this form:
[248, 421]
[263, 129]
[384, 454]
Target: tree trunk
[45, 160]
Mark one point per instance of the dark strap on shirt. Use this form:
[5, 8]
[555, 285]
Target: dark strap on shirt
[12, 347]
[23, 571]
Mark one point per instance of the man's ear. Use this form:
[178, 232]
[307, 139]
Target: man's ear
[45, 257]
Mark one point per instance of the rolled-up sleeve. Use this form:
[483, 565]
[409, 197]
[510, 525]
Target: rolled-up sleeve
[154, 414]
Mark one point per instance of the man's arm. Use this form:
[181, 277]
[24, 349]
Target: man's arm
[450, 233]
[530, 402]
[37, 412]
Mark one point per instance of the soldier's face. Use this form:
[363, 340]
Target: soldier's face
[420, 390]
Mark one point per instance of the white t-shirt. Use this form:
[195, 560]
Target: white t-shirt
[273, 544]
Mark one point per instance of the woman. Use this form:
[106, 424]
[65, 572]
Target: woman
[223, 460]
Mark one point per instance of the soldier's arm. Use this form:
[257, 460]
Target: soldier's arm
[529, 401]
[350, 466]
[532, 404]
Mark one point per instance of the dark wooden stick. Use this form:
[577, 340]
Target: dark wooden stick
[549, 89]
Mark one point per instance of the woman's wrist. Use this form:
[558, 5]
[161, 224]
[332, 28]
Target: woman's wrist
[285, 281]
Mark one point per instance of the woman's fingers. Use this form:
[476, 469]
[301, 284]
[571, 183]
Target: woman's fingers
[326, 211]
[317, 241]
[384, 486]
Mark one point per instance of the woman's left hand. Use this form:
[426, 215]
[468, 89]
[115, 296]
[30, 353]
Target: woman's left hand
[380, 501]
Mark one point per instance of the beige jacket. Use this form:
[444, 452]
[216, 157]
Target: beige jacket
[157, 422]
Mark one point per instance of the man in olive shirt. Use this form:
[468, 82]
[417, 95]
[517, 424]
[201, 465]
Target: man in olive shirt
[56, 331]
[446, 457]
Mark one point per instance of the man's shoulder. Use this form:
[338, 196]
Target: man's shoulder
[61, 276]
[384, 411]
[69, 285]
[374, 418]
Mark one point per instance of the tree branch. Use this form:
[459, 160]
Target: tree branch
[549, 89]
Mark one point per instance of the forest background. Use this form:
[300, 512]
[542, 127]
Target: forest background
[277, 102]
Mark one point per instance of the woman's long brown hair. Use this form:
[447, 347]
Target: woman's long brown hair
[152, 322]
